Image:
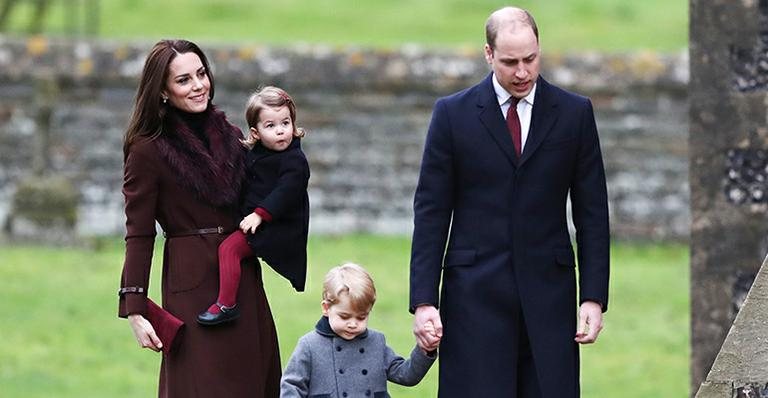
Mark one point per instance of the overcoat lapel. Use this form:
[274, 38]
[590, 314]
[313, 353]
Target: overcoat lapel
[491, 117]
[542, 120]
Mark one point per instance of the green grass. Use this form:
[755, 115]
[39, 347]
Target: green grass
[565, 25]
[61, 336]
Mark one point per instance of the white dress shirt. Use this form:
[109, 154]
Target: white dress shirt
[524, 108]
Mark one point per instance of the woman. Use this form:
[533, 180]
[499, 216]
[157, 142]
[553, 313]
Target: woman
[183, 169]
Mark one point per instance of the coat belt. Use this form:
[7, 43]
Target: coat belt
[202, 231]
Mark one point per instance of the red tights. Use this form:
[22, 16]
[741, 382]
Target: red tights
[231, 251]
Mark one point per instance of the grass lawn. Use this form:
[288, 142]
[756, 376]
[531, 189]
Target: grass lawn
[61, 336]
[565, 25]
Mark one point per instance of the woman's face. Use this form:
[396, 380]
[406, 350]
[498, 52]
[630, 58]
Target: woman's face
[188, 85]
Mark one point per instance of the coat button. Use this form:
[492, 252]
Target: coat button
[362, 350]
[341, 371]
[367, 393]
[365, 372]
[344, 394]
[338, 348]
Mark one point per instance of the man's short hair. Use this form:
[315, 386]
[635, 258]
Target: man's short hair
[495, 21]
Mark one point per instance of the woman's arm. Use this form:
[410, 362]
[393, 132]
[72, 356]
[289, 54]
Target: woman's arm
[140, 188]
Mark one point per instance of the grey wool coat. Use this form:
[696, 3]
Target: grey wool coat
[324, 365]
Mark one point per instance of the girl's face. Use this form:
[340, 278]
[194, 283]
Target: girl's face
[188, 85]
[275, 128]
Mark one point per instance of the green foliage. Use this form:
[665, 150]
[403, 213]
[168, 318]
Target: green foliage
[46, 201]
[565, 25]
[61, 336]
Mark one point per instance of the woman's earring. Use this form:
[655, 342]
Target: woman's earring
[165, 100]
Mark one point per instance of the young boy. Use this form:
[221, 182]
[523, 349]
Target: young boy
[342, 357]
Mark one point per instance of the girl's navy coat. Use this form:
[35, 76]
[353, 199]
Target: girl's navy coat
[277, 182]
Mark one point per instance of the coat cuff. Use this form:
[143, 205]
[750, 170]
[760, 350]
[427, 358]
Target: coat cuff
[263, 213]
[603, 306]
[132, 304]
[412, 308]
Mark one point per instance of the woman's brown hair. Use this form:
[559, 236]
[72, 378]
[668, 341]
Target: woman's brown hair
[149, 110]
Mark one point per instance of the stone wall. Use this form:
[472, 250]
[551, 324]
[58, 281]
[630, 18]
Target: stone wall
[729, 167]
[741, 367]
[367, 112]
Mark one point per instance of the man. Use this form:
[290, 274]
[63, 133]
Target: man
[490, 216]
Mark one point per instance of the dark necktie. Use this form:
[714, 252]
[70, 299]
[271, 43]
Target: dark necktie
[513, 124]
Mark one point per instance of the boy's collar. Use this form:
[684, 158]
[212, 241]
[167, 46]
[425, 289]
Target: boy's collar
[323, 327]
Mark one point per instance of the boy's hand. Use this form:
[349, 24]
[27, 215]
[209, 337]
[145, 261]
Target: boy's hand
[250, 223]
[429, 328]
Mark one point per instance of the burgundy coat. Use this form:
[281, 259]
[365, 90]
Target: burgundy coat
[177, 182]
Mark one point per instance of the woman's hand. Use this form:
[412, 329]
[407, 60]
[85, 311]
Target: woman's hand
[250, 223]
[144, 332]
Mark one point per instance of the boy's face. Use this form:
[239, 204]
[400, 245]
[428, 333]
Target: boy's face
[275, 128]
[345, 322]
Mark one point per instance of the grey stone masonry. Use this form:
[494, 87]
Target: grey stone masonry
[741, 366]
[728, 175]
[367, 112]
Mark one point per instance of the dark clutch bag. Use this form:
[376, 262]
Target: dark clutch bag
[167, 327]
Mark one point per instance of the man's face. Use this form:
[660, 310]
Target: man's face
[515, 60]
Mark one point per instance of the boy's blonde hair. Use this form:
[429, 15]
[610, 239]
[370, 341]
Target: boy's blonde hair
[352, 280]
[268, 97]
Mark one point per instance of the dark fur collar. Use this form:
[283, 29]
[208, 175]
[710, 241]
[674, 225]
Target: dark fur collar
[213, 175]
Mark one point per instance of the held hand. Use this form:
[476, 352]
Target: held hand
[250, 223]
[590, 322]
[144, 333]
[427, 327]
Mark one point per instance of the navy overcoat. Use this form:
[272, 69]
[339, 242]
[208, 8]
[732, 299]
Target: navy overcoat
[494, 228]
[277, 182]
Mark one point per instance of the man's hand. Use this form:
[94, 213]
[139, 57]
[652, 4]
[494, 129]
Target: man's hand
[590, 322]
[250, 223]
[427, 327]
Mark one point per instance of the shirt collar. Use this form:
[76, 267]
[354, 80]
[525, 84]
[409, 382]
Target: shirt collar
[323, 327]
[503, 96]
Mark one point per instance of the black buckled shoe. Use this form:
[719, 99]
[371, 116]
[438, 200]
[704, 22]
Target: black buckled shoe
[225, 314]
